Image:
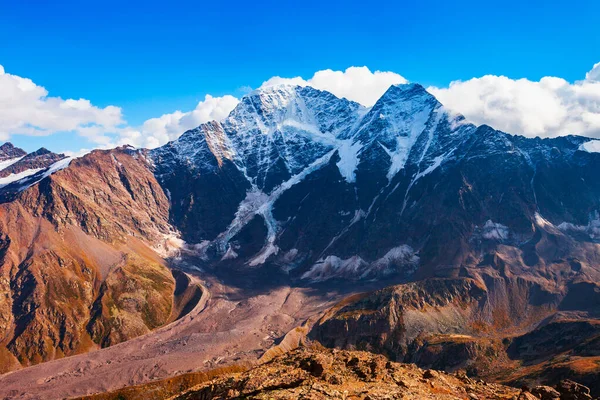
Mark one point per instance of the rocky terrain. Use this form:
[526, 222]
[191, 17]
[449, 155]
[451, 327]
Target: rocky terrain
[78, 268]
[401, 229]
[313, 373]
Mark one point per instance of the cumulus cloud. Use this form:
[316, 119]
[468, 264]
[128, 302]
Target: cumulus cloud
[355, 83]
[547, 108]
[158, 131]
[594, 74]
[26, 109]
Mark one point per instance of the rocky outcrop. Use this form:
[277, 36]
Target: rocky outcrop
[326, 374]
[463, 324]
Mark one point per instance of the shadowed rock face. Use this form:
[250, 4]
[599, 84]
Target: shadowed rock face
[77, 268]
[402, 189]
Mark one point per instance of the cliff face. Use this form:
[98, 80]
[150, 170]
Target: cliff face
[78, 269]
[517, 330]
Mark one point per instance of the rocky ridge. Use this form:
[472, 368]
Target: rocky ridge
[326, 374]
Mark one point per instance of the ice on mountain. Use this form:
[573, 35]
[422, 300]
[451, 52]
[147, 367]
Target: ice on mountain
[592, 146]
[348, 162]
[17, 177]
[7, 163]
[494, 231]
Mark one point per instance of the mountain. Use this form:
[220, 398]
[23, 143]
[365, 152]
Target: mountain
[19, 170]
[9, 152]
[379, 190]
[401, 229]
[80, 269]
[38, 160]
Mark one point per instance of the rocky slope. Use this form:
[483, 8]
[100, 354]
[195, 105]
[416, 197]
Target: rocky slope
[78, 268]
[499, 331]
[311, 373]
[379, 190]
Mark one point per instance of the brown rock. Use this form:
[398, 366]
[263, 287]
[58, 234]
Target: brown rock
[570, 390]
[545, 393]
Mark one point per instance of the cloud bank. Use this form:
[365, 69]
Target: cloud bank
[158, 131]
[549, 107]
[26, 109]
[355, 83]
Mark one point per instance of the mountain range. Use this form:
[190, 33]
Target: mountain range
[401, 229]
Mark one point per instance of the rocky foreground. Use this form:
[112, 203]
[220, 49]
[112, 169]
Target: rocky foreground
[336, 374]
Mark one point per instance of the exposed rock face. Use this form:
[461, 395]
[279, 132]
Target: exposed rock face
[402, 189]
[77, 268]
[454, 324]
[313, 374]
[499, 234]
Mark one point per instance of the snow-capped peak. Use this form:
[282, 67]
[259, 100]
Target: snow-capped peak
[397, 120]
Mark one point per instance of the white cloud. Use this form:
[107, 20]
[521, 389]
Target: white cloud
[547, 108]
[355, 83]
[158, 131]
[594, 74]
[26, 109]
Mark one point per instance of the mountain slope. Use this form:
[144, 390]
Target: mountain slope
[78, 270]
[377, 189]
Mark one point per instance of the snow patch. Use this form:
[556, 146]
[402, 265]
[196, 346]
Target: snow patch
[592, 229]
[398, 259]
[408, 131]
[395, 259]
[41, 174]
[593, 146]
[259, 203]
[335, 267]
[230, 254]
[17, 177]
[348, 163]
[267, 251]
[494, 231]
[171, 245]
[7, 163]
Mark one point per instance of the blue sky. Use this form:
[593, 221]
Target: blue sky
[152, 58]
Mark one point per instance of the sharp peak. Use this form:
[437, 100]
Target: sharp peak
[406, 93]
[8, 147]
[276, 88]
[407, 89]
[284, 89]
